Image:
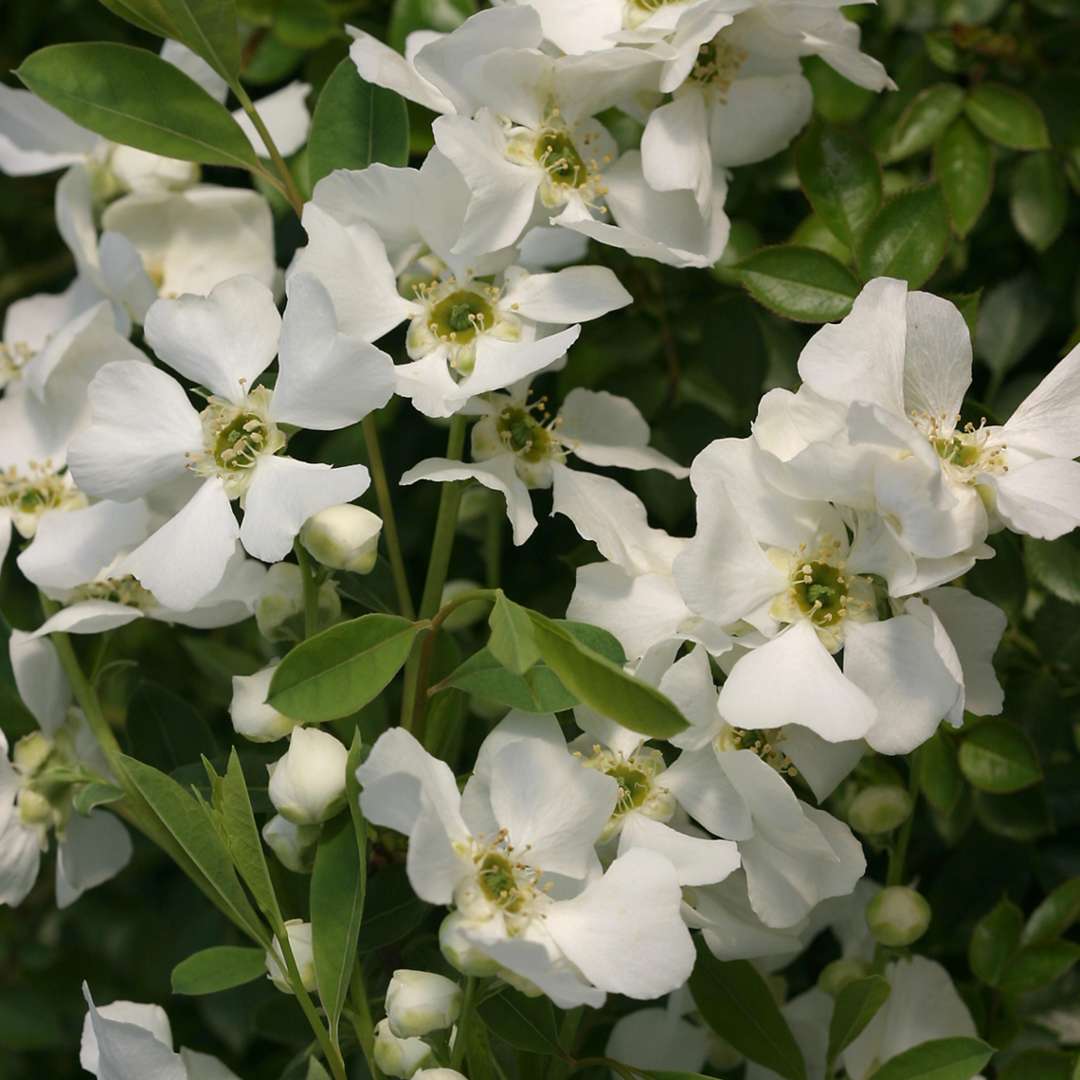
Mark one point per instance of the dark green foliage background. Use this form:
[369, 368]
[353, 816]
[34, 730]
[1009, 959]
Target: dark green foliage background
[695, 352]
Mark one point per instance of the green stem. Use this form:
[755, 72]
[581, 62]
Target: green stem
[462, 1037]
[311, 590]
[361, 1018]
[291, 192]
[493, 540]
[898, 854]
[386, 511]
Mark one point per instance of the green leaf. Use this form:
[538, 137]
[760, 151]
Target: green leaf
[1040, 199]
[964, 168]
[442, 15]
[190, 826]
[356, 124]
[340, 670]
[926, 117]
[538, 690]
[391, 909]
[1012, 317]
[1022, 817]
[736, 1002]
[91, 795]
[841, 179]
[219, 968]
[207, 27]
[243, 840]
[938, 1059]
[526, 1023]
[316, 1070]
[836, 99]
[133, 97]
[908, 238]
[337, 907]
[305, 24]
[145, 14]
[1055, 915]
[1035, 966]
[994, 941]
[1038, 1064]
[940, 779]
[799, 283]
[997, 757]
[1055, 565]
[512, 642]
[165, 730]
[1007, 116]
[856, 1005]
[604, 686]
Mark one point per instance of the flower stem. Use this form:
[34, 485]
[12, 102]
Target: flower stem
[386, 511]
[898, 854]
[291, 191]
[361, 1018]
[461, 1039]
[311, 590]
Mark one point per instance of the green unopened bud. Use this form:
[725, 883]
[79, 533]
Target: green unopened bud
[898, 916]
[34, 808]
[839, 974]
[344, 537]
[31, 752]
[879, 808]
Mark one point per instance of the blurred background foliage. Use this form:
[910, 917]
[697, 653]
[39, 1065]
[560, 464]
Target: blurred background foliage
[979, 156]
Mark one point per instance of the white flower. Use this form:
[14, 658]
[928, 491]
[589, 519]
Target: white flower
[344, 537]
[382, 240]
[36, 787]
[251, 716]
[517, 447]
[307, 784]
[514, 855]
[299, 935]
[279, 606]
[418, 1002]
[145, 433]
[399, 1057]
[293, 844]
[126, 1039]
[660, 1037]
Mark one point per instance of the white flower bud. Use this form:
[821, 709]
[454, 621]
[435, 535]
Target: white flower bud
[294, 845]
[898, 916]
[420, 1001]
[250, 715]
[344, 537]
[399, 1057]
[460, 952]
[279, 610]
[307, 784]
[300, 943]
[140, 171]
[438, 1074]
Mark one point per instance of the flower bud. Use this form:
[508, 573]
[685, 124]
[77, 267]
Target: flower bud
[879, 808]
[898, 916]
[437, 1074]
[344, 537]
[31, 752]
[835, 976]
[459, 951]
[249, 712]
[279, 610]
[140, 171]
[299, 933]
[294, 845]
[419, 1001]
[470, 612]
[35, 808]
[307, 784]
[399, 1057]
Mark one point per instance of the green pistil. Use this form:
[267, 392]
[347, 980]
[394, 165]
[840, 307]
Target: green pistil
[821, 592]
[559, 157]
[461, 316]
[499, 883]
[634, 785]
[527, 437]
[956, 451]
[240, 442]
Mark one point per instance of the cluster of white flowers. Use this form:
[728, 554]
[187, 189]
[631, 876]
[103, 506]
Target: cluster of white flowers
[809, 618]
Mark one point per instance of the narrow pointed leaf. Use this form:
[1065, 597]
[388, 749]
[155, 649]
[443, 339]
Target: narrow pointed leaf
[938, 1059]
[512, 642]
[856, 1005]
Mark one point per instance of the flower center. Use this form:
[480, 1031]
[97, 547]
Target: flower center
[235, 437]
[765, 743]
[636, 776]
[13, 358]
[125, 590]
[501, 882]
[640, 11]
[525, 435]
[821, 591]
[966, 453]
[556, 152]
[460, 316]
[30, 495]
[634, 785]
[717, 64]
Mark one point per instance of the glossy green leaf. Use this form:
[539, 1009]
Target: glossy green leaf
[219, 968]
[1039, 202]
[841, 178]
[736, 1002]
[1038, 1064]
[856, 1005]
[940, 779]
[938, 1059]
[908, 238]
[836, 99]
[994, 941]
[604, 686]
[89, 796]
[134, 97]
[1036, 966]
[926, 117]
[355, 125]
[1022, 817]
[997, 757]
[1055, 915]
[1012, 317]
[512, 642]
[1055, 565]
[1007, 116]
[145, 14]
[526, 1023]
[799, 283]
[538, 690]
[964, 169]
[207, 27]
[340, 670]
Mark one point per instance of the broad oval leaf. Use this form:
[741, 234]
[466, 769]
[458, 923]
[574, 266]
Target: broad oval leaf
[856, 1005]
[994, 941]
[1035, 966]
[1007, 116]
[908, 238]
[735, 1001]
[356, 124]
[512, 642]
[604, 686]
[340, 670]
[219, 968]
[964, 167]
[1054, 915]
[1039, 202]
[207, 27]
[526, 1023]
[997, 757]
[799, 283]
[1040, 1063]
[133, 97]
[940, 779]
[938, 1059]
[928, 114]
[1055, 565]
